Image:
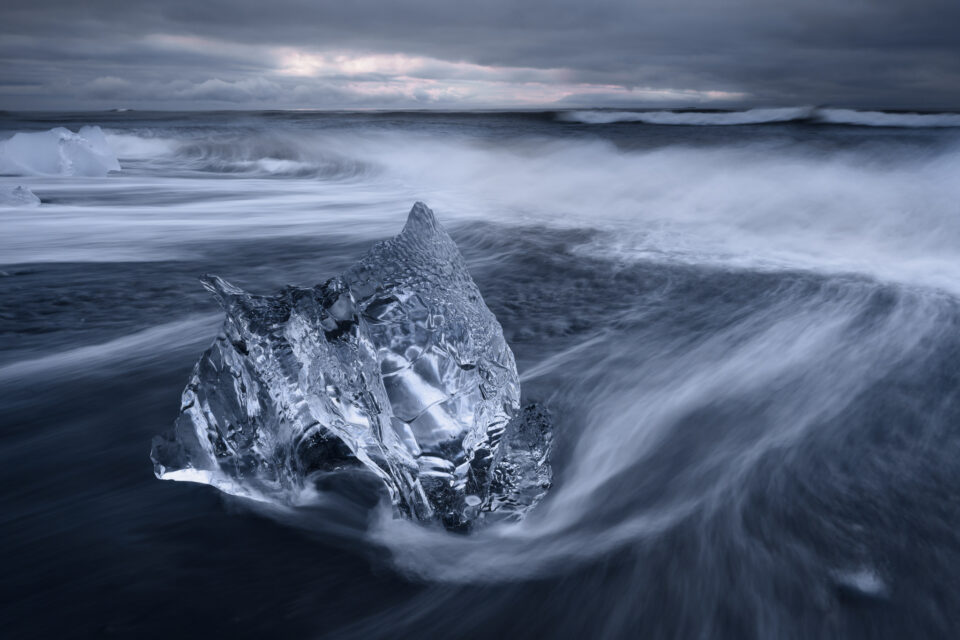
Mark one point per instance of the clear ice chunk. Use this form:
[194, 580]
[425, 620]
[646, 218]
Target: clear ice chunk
[397, 364]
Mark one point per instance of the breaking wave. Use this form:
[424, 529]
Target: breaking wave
[889, 210]
[749, 343]
[246, 154]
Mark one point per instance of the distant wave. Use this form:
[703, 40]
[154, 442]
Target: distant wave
[691, 118]
[766, 116]
[342, 156]
[888, 119]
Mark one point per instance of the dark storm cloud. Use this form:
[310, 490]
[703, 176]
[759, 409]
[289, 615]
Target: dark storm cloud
[309, 53]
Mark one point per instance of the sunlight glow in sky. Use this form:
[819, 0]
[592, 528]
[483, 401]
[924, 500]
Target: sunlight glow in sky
[308, 78]
[419, 79]
[436, 80]
[372, 54]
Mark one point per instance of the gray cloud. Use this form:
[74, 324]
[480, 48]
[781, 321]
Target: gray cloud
[179, 53]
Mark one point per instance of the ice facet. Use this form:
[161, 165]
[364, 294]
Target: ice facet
[396, 364]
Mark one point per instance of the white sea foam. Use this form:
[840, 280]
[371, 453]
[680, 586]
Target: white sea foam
[133, 349]
[126, 145]
[892, 213]
[888, 119]
[894, 216]
[640, 393]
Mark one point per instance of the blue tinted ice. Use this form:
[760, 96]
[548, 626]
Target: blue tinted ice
[397, 364]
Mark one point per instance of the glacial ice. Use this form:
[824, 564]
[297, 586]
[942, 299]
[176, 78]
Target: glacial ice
[396, 365]
[58, 152]
[18, 196]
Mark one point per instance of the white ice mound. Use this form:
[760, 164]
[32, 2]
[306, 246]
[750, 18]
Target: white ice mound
[397, 364]
[58, 152]
[18, 196]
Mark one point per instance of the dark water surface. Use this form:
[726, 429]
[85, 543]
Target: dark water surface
[748, 336]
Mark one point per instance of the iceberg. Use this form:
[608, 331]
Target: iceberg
[18, 196]
[396, 365]
[58, 152]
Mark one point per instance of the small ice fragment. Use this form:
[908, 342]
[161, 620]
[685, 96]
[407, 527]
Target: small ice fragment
[397, 364]
[18, 196]
[863, 581]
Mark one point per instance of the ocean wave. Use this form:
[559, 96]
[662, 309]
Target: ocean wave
[691, 118]
[887, 118]
[246, 154]
[721, 330]
[633, 400]
[873, 210]
[766, 116]
[129, 146]
[122, 352]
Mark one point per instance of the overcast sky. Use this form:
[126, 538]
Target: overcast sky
[173, 54]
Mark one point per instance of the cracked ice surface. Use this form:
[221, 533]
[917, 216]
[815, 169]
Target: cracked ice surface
[396, 364]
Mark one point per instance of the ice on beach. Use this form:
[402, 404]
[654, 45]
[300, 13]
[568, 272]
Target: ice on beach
[863, 581]
[18, 196]
[58, 152]
[397, 365]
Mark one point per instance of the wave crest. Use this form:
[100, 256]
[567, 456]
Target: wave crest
[250, 154]
[691, 118]
[766, 116]
[888, 119]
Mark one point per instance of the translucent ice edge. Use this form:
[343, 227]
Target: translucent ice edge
[396, 366]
